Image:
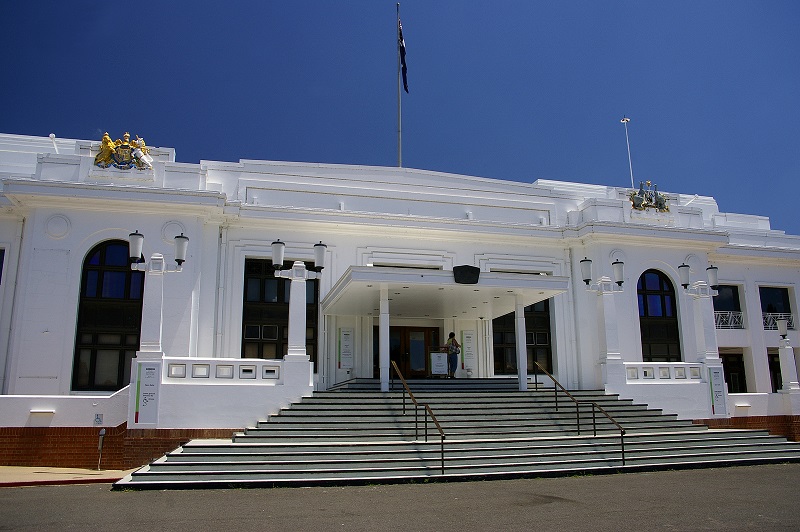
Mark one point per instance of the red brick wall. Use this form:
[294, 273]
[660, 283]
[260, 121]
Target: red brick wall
[77, 446]
[787, 426]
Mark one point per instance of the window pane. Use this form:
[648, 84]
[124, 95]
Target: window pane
[669, 306]
[94, 260]
[654, 306]
[137, 281]
[652, 281]
[106, 368]
[311, 292]
[641, 305]
[250, 350]
[270, 351]
[775, 300]
[251, 332]
[253, 290]
[114, 285]
[269, 332]
[727, 299]
[271, 292]
[116, 255]
[510, 338]
[91, 284]
[126, 368]
[109, 339]
[82, 368]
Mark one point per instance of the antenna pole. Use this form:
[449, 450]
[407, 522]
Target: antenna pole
[625, 121]
[399, 99]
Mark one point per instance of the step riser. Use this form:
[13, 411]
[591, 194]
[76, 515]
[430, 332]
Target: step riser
[350, 436]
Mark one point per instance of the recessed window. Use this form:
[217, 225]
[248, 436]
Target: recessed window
[109, 319]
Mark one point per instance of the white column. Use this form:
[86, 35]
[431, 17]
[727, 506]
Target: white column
[705, 329]
[153, 306]
[383, 339]
[297, 310]
[609, 333]
[522, 349]
[788, 368]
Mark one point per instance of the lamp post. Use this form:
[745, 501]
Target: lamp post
[705, 326]
[789, 378]
[297, 275]
[153, 299]
[605, 288]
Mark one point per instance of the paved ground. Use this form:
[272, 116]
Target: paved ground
[730, 499]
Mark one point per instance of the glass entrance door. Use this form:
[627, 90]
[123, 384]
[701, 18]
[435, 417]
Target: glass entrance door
[409, 348]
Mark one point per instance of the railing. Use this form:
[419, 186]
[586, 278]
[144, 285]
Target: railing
[728, 319]
[417, 405]
[771, 320]
[595, 407]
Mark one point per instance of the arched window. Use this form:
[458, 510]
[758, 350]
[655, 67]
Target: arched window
[109, 319]
[658, 319]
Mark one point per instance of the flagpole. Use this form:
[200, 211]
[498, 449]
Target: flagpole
[625, 121]
[399, 99]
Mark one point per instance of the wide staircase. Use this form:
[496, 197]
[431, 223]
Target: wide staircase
[480, 429]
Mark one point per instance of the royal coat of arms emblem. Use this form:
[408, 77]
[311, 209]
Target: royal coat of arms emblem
[124, 153]
[648, 198]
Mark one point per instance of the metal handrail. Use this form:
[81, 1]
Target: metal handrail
[417, 405]
[577, 402]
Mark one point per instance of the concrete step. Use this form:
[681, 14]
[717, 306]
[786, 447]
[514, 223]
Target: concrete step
[348, 436]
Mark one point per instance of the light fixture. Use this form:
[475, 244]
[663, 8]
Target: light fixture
[783, 327]
[699, 288]
[713, 280]
[586, 270]
[278, 249]
[586, 275]
[181, 245]
[683, 273]
[319, 255]
[136, 244]
[277, 254]
[617, 267]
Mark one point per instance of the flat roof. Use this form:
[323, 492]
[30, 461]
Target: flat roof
[428, 293]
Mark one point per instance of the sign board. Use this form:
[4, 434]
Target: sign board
[716, 380]
[438, 363]
[148, 382]
[346, 341]
[469, 355]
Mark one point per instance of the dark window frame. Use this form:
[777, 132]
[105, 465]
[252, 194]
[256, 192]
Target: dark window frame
[265, 307]
[110, 306]
[658, 317]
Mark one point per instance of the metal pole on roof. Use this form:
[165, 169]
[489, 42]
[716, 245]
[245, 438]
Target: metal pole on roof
[625, 121]
[399, 99]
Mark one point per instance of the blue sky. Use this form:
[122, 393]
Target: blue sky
[516, 90]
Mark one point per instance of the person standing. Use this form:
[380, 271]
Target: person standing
[453, 350]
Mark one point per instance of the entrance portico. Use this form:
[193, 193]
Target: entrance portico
[389, 293]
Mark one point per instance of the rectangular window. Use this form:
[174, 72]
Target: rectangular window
[727, 299]
[774, 300]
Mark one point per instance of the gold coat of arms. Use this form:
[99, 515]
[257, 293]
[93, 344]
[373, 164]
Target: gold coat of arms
[123, 153]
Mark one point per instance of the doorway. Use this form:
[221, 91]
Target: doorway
[409, 348]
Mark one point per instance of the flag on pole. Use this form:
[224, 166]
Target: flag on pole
[401, 43]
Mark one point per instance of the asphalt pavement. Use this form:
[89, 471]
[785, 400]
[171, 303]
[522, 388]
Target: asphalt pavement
[731, 499]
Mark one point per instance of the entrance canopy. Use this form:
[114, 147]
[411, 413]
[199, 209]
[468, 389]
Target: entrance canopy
[434, 294]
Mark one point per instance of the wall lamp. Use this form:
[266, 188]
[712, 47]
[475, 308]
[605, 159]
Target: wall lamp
[783, 327]
[278, 248]
[699, 288]
[136, 243]
[604, 284]
[711, 272]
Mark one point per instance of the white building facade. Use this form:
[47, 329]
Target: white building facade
[410, 255]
